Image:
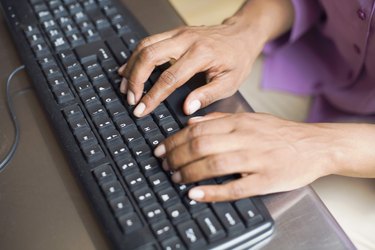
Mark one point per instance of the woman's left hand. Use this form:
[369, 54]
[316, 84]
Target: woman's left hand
[270, 154]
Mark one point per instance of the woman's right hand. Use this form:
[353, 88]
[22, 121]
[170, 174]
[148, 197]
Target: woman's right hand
[224, 52]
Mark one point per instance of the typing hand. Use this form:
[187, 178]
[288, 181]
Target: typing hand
[270, 154]
[225, 52]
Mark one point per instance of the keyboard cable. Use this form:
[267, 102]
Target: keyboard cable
[12, 114]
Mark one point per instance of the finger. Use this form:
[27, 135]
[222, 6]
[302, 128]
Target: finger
[121, 69]
[244, 187]
[124, 86]
[147, 42]
[210, 116]
[145, 62]
[172, 78]
[209, 127]
[203, 146]
[214, 166]
[219, 88]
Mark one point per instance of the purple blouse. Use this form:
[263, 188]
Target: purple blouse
[329, 54]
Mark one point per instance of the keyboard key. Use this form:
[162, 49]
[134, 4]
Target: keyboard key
[248, 212]
[154, 212]
[116, 110]
[127, 165]
[93, 153]
[177, 213]
[141, 151]
[154, 139]
[144, 196]
[161, 113]
[135, 180]
[132, 136]
[111, 136]
[194, 206]
[173, 243]
[86, 138]
[170, 128]
[112, 189]
[104, 174]
[158, 181]
[228, 217]
[79, 124]
[121, 206]
[110, 98]
[191, 235]
[210, 226]
[118, 49]
[163, 230]
[90, 98]
[130, 39]
[103, 121]
[149, 166]
[167, 196]
[97, 109]
[130, 223]
[182, 189]
[148, 127]
[73, 111]
[118, 150]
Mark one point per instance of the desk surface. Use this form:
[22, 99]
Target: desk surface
[42, 207]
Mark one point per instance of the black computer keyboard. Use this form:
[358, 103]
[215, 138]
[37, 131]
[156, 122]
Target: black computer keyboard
[72, 50]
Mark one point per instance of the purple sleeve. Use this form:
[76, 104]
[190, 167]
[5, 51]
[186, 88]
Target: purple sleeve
[307, 14]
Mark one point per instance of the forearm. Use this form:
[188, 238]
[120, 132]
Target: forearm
[266, 19]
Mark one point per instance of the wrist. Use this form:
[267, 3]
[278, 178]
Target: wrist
[351, 150]
[263, 20]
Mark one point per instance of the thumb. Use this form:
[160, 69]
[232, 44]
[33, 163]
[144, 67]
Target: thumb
[208, 94]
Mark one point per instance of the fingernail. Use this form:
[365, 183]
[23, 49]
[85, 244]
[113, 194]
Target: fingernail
[196, 118]
[160, 150]
[124, 85]
[196, 194]
[122, 68]
[165, 165]
[138, 111]
[176, 177]
[131, 97]
[194, 106]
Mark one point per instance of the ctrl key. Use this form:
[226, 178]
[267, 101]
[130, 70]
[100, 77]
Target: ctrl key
[130, 223]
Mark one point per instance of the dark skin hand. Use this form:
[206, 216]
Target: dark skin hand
[292, 156]
[224, 52]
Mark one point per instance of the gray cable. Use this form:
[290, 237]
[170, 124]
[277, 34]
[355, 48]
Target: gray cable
[12, 114]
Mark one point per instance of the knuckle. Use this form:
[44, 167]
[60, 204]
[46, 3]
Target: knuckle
[187, 174]
[203, 47]
[196, 130]
[144, 43]
[148, 99]
[168, 78]
[207, 99]
[216, 164]
[198, 146]
[147, 54]
[171, 159]
[237, 191]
